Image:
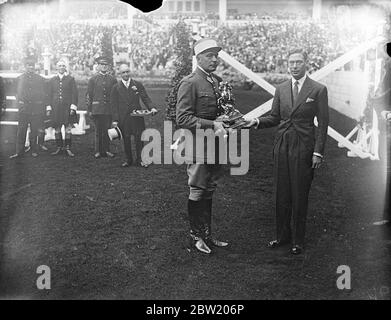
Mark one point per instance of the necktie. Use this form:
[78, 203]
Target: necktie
[295, 91]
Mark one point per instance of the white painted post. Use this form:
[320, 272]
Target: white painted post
[222, 10]
[317, 9]
[46, 61]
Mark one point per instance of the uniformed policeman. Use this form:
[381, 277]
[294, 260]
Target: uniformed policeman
[32, 99]
[98, 105]
[63, 97]
[197, 109]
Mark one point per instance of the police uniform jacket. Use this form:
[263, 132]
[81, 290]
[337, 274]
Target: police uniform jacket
[31, 94]
[197, 107]
[62, 92]
[98, 94]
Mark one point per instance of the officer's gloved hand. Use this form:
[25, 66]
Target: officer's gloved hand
[154, 111]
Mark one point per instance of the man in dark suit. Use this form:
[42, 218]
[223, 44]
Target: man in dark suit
[125, 98]
[98, 106]
[32, 99]
[298, 150]
[381, 102]
[63, 96]
[197, 108]
[2, 97]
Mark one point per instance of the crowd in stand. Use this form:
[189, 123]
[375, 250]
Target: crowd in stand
[261, 46]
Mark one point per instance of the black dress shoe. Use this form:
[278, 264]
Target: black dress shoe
[384, 222]
[16, 155]
[275, 244]
[58, 150]
[217, 243]
[69, 153]
[296, 249]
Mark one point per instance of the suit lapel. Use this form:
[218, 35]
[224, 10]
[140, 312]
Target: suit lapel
[287, 91]
[123, 91]
[304, 93]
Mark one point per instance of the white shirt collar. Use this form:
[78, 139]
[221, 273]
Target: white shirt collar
[61, 75]
[301, 81]
[126, 83]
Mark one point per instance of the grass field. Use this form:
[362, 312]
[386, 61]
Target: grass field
[109, 233]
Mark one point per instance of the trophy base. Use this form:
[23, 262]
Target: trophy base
[234, 121]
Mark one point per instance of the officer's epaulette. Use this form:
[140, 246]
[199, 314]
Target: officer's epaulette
[188, 77]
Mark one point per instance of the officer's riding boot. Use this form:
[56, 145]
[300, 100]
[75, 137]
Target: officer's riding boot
[59, 143]
[207, 217]
[197, 235]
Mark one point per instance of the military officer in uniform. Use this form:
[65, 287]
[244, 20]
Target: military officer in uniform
[98, 105]
[197, 109]
[32, 99]
[63, 96]
[125, 98]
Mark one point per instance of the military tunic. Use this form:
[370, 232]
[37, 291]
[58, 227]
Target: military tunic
[62, 94]
[197, 109]
[98, 103]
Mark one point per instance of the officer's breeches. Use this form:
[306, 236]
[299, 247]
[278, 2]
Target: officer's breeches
[203, 180]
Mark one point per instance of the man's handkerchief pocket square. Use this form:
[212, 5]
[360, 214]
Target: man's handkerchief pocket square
[309, 100]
